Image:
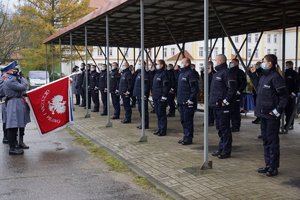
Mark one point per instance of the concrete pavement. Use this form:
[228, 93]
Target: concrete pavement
[54, 168]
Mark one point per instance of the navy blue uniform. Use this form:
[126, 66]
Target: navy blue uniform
[133, 98]
[270, 102]
[241, 83]
[94, 81]
[171, 94]
[137, 92]
[160, 90]
[126, 87]
[211, 116]
[103, 90]
[292, 85]
[187, 92]
[84, 83]
[114, 90]
[222, 91]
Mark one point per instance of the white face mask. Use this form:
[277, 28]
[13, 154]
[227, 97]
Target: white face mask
[138, 67]
[93, 69]
[231, 65]
[158, 67]
[114, 67]
[182, 66]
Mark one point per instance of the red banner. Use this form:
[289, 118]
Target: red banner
[51, 105]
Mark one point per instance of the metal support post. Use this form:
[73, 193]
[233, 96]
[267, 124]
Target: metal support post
[180, 53]
[283, 130]
[143, 137]
[60, 58]
[240, 49]
[223, 45]
[87, 115]
[71, 62]
[123, 55]
[213, 47]
[247, 43]
[297, 41]
[78, 54]
[109, 124]
[206, 163]
[46, 63]
[52, 61]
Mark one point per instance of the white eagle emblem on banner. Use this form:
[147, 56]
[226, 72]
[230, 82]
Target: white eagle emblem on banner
[57, 105]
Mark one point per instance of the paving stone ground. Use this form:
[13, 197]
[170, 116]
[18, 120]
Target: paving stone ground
[178, 167]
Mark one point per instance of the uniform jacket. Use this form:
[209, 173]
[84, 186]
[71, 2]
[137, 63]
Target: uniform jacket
[125, 81]
[3, 106]
[292, 81]
[240, 77]
[160, 87]
[17, 111]
[187, 86]
[137, 90]
[94, 79]
[223, 87]
[271, 93]
[103, 80]
[114, 80]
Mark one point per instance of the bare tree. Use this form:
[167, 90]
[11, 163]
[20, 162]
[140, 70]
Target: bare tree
[10, 35]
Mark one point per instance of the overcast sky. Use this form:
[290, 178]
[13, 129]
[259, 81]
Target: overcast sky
[11, 3]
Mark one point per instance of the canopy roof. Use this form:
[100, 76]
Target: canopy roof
[184, 19]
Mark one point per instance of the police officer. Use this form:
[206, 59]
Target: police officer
[160, 90]
[84, 83]
[75, 88]
[79, 84]
[17, 115]
[94, 81]
[271, 101]
[3, 107]
[241, 83]
[103, 88]
[173, 88]
[125, 90]
[134, 75]
[211, 72]
[114, 89]
[186, 98]
[137, 92]
[291, 80]
[152, 72]
[222, 91]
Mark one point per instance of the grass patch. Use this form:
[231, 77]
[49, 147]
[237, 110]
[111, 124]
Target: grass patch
[147, 185]
[115, 164]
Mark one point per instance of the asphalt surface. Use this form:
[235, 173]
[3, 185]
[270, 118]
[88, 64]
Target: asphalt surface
[54, 168]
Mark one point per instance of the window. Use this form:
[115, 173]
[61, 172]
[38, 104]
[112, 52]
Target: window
[256, 53]
[256, 37]
[275, 52]
[269, 38]
[249, 38]
[200, 51]
[249, 53]
[275, 38]
[99, 52]
[268, 51]
[165, 52]
[236, 39]
[173, 51]
[216, 51]
[110, 51]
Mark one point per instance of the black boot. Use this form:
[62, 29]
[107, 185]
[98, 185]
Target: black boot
[22, 145]
[5, 140]
[13, 150]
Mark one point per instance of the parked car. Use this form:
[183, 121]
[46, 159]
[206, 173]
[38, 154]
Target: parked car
[38, 78]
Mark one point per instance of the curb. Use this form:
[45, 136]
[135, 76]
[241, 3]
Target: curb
[134, 168]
